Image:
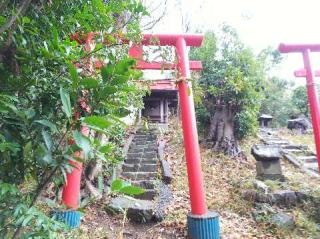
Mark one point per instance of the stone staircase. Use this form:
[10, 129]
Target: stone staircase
[299, 155]
[141, 164]
[142, 168]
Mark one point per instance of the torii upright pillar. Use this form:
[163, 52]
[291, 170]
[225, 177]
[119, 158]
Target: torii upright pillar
[305, 49]
[202, 224]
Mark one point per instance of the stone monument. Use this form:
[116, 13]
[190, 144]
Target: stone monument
[267, 162]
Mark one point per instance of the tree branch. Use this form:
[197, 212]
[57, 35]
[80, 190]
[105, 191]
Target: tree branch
[20, 11]
[2, 6]
[151, 24]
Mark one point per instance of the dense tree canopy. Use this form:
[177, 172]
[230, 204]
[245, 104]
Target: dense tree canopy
[300, 100]
[231, 83]
[277, 101]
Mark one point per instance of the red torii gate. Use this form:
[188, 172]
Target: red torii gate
[202, 224]
[307, 72]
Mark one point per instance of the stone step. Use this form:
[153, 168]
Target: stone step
[139, 142]
[135, 147]
[141, 160]
[140, 136]
[149, 155]
[133, 160]
[295, 147]
[149, 194]
[272, 138]
[308, 159]
[146, 184]
[134, 155]
[142, 149]
[277, 142]
[294, 150]
[298, 152]
[139, 175]
[135, 151]
[143, 142]
[145, 137]
[150, 150]
[140, 167]
[312, 167]
[150, 161]
[138, 210]
[146, 131]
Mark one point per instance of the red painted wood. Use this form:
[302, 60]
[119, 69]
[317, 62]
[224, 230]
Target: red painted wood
[142, 65]
[71, 190]
[190, 135]
[305, 49]
[171, 39]
[313, 102]
[287, 48]
[303, 73]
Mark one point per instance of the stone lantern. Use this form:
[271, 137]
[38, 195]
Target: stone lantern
[267, 162]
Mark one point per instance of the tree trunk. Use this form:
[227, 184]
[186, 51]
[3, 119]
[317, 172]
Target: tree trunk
[221, 132]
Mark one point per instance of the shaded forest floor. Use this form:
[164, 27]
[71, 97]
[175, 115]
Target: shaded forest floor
[225, 182]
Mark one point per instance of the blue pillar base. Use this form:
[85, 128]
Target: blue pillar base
[203, 226]
[71, 217]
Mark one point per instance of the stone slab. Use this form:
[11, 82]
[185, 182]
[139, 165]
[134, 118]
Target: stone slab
[138, 210]
[265, 152]
[166, 171]
[283, 220]
[295, 146]
[149, 194]
[308, 159]
[139, 167]
[132, 160]
[140, 175]
[146, 184]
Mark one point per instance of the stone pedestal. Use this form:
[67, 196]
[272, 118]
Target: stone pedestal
[268, 162]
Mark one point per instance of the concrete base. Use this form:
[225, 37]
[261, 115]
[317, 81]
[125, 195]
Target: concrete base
[71, 218]
[203, 226]
[269, 170]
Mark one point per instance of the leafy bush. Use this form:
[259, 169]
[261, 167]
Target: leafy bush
[50, 89]
[15, 211]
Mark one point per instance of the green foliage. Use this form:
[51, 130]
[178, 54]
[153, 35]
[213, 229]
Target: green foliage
[300, 100]
[232, 76]
[65, 99]
[45, 100]
[124, 187]
[15, 211]
[277, 101]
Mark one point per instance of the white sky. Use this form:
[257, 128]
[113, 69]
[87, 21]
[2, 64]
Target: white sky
[260, 23]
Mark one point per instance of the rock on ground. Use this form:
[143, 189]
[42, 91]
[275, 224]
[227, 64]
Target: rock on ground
[283, 220]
